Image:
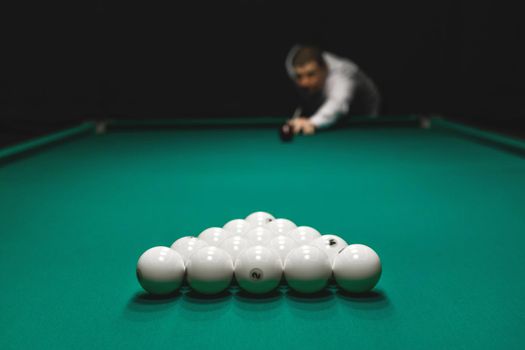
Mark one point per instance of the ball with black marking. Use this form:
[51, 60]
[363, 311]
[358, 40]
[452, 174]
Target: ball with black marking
[258, 270]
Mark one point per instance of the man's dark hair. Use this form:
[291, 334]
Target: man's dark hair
[307, 54]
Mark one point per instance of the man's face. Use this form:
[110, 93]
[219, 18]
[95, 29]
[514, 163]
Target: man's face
[310, 77]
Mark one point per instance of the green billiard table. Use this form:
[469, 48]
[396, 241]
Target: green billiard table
[444, 207]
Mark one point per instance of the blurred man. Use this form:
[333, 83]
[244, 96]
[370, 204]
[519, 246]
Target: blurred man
[330, 87]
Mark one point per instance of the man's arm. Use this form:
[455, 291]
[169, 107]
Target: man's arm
[338, 101]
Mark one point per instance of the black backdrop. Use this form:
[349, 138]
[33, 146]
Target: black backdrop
[150, 59]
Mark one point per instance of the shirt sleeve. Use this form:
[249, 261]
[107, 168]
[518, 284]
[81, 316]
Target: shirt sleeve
[339, 94]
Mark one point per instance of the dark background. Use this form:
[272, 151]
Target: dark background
[89, 60]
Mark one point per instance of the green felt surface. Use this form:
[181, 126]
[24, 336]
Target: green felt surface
[444, 212]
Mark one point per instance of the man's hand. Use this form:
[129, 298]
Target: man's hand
[302, 125]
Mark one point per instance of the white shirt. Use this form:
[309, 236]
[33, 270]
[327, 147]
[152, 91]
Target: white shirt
[342, 80]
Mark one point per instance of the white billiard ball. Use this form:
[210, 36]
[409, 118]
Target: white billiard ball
[259, 218]
[307, 269]
[160, 270]
[258, 270]
[188, 245]
[280, 226]
[331, 244]
[259, 236]
[209, 270]
[238, 226]
[357, 268]
[214, 235]
[234, 245]
[304, 234]
[282, 245]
